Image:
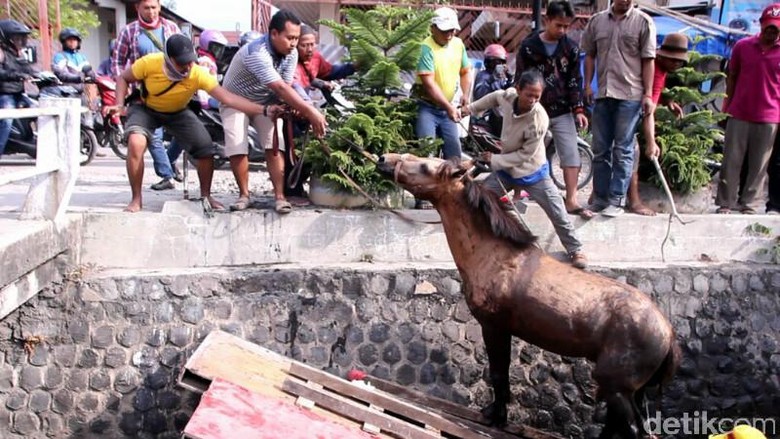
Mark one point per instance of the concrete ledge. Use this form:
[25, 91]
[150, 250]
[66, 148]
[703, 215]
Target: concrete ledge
[183, 237]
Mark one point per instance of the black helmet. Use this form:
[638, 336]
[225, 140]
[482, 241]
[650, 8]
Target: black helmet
[248, 37]
[9, 28]
[69, 32]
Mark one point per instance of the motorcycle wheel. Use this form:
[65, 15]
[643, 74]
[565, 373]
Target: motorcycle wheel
[89, 146]
[116, 143]
[586, 171]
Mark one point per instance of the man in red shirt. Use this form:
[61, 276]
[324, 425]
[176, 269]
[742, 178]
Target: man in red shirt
[753, 102]
[672, 55]
[313, 70]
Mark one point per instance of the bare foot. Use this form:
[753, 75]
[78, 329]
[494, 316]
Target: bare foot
[641, 209]
[216, 205]
[133, 207]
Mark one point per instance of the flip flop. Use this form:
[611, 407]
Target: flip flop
[723, 210]
[241, 204]
[582, 212]
[282, 207]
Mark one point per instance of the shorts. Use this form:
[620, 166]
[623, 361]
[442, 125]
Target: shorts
[564, 132]
[183, 125]
[236, 125]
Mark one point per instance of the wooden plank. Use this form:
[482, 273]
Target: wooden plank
[395, 405]
[357, 412]
[261, 370]
[229, 411]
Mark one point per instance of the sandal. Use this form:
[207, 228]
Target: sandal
[582, 212]
[283, 207]
[747, 211]
[241, 204]
[723, 210]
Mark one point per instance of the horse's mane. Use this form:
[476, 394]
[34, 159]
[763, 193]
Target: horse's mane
[487, 203]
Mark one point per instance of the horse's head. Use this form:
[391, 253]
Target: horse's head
[425, 178]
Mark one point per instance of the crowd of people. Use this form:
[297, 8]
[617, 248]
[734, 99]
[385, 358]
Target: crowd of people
[277, 72]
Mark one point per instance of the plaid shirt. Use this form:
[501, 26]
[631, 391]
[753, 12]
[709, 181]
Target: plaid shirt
[127, 44]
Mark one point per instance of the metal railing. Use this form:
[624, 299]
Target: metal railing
[57, 157]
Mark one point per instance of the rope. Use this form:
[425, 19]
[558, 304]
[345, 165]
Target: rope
[673, 214]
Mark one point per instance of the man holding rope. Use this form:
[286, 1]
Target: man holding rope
[262, 71]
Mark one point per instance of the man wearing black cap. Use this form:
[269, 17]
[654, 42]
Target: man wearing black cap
[168, 82]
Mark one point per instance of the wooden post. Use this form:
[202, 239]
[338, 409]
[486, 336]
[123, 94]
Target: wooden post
[59, 145]
[45, 34]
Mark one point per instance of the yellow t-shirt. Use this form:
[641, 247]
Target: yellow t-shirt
[149, 69]
[445, 63]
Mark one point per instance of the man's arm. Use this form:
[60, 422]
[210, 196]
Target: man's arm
[239, 103]
[122, 84]
[574, 85]
[648, 127]
[590, 66]
[288, 95]
[648, 67]
[465, 86]
[432, 89]
[121, 54]
[732, 76]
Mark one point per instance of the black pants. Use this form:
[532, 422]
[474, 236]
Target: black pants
[773, 198]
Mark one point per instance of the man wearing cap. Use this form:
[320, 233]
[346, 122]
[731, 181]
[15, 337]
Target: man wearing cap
[313, 70]
[753, 102]
[169, 80]
[620, 41]
[672, 55]
[139, 38]
[443, 82]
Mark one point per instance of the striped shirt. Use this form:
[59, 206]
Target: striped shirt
[255, 66]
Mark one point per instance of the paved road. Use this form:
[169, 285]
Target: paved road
[102, 185]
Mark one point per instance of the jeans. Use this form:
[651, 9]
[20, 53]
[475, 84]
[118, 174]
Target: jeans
[162, 166]
[434, 122]
[7, 101]
[548, 197]
[614, 123]
[174, 151]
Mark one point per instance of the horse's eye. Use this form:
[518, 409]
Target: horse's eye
[425, 169]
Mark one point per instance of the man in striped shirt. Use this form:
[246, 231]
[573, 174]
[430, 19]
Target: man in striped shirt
[262, 71]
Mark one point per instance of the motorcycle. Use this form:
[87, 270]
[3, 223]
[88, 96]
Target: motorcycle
[480, 139]
[24, 138]
[109, 128]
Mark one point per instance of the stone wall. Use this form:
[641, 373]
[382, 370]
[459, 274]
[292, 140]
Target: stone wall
[98, 355]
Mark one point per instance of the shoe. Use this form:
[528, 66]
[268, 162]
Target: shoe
[613, 211]
[578, 259]
[241, 204]
[747, 211]
[772, 212]
[282, 207]
[177, 174]
[163, 185]
[100, 153]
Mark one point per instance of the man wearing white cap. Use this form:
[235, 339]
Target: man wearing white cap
[443, 82]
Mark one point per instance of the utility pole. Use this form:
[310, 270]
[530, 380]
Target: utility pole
[537, 15]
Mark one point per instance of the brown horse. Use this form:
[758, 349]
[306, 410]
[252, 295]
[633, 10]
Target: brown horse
[513, 288]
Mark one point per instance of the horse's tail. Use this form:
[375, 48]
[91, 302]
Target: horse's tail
[668, 367]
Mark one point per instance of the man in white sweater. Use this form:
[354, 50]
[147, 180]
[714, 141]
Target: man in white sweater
[523, 165]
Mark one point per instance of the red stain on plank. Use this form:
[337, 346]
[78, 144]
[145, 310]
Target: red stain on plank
[229, 411]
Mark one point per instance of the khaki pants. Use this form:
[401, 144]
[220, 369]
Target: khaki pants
[236, 125]
[755, 140]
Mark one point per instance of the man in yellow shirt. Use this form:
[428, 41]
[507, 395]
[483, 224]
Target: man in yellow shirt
[168, 81]
[443, 82]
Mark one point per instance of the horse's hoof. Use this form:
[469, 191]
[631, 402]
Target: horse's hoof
[495, 414]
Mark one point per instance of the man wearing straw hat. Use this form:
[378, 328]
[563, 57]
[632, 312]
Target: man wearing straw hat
[672, 55]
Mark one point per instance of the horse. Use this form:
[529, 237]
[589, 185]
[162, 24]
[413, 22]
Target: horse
[513, 288]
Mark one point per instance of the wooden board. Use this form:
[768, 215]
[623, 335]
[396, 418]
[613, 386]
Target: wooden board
[228, 410]
[387, 409]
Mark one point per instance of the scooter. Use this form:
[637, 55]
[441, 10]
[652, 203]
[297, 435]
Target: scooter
[24, 138]
[109, 128]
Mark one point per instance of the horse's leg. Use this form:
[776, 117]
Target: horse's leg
[499, 347]
[621, 420]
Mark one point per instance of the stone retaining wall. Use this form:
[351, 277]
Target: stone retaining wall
[98, 354]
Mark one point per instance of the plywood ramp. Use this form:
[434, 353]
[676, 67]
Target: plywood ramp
[379, 407]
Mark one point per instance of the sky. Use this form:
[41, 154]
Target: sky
[216, 14]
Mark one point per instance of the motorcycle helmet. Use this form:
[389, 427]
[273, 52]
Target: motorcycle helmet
[248, 37]
[9, 29]
[494, 54]
[209, 36]
[69, 32]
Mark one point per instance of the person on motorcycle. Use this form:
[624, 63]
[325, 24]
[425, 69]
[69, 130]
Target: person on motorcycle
[70, 65]
[14, 70]
[494, 77]
[105, 68]
[206, 60]
[248, 36]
